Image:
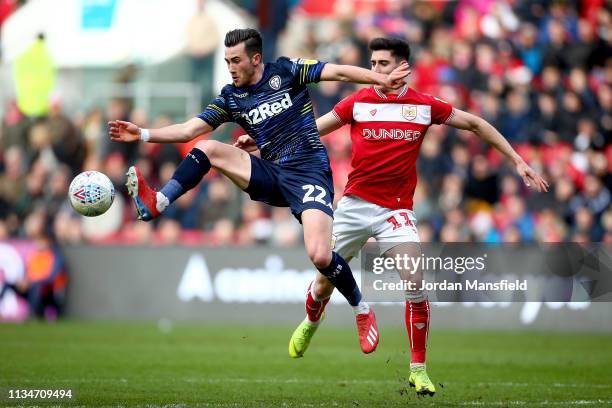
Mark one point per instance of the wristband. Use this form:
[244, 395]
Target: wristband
[145, 135]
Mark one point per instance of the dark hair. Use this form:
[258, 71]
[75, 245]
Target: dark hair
[250, 37]
[399, 48]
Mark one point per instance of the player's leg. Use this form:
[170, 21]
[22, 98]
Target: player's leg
[315, 309]
[310, 193]
[349, 236]
[317, 296]
[316, 224]
[317, 238]
[229, 160]
[349, 232]
[417, 320]
[397, 236]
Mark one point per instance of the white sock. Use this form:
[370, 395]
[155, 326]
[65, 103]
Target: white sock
[162, 202]
[414, 366]
[361, 308]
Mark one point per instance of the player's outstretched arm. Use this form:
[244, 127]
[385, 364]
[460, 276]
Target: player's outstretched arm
[466, 121]
[328, 123]
[122, 131]
[350, 73]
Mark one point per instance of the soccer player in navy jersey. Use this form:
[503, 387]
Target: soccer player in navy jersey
[271, 102]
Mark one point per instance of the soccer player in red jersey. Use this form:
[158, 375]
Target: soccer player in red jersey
[387, 129]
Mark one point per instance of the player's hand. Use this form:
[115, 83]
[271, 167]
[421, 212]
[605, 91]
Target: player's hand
[121, 131]
[531, 178]
[397, 78]
[246, 143]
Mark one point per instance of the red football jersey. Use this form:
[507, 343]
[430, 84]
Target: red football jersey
[387, 132]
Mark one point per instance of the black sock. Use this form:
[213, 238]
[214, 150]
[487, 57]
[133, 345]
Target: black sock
[187, 175]
[340, 275]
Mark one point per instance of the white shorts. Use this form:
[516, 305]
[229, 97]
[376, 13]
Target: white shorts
[357, 220]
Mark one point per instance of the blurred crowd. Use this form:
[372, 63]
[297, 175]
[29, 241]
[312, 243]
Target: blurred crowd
[539, 71]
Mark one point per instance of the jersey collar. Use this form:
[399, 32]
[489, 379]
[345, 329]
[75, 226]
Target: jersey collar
[380, 93]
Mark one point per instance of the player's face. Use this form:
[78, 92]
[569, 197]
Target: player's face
[383, 62]
[241, 67]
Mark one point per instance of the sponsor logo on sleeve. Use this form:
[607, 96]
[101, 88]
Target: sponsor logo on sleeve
[302, 61]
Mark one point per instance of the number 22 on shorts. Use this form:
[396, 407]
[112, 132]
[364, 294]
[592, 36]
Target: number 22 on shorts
[319, 198]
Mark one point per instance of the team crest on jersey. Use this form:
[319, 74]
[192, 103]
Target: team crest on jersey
[275, 82]
[409, 112]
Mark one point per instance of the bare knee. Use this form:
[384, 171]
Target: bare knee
[209, 147]
[320, 255]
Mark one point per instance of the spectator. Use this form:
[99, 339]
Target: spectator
[286, 231]
[581, 53]
[66, 142]
[222, 203]
[14, 128]
[34, 74]
[33, 195]
[44, 285]
[56, 194]
[555, 53]
[482, 182]
[529, 51]
[547, 126]
[13, 178]
[594, 196]
[571, 111]
[514, 121]
[202, 42]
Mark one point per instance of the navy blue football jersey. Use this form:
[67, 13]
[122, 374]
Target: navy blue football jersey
[276, 112]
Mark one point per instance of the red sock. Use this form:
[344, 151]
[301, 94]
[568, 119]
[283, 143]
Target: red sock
[314, 308]
[417, 325]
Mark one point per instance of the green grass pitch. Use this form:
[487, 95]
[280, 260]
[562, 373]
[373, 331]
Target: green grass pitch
[204, 365]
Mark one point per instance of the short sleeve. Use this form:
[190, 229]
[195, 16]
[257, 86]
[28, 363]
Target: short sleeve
[216, 113]
[304, 71]
[344, 109]
[441, 111]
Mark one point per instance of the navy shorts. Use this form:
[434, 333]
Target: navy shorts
[283, 186]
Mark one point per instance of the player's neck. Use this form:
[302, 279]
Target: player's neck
[259, 71]
[389, 91]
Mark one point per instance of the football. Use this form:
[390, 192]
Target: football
[91, 193]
